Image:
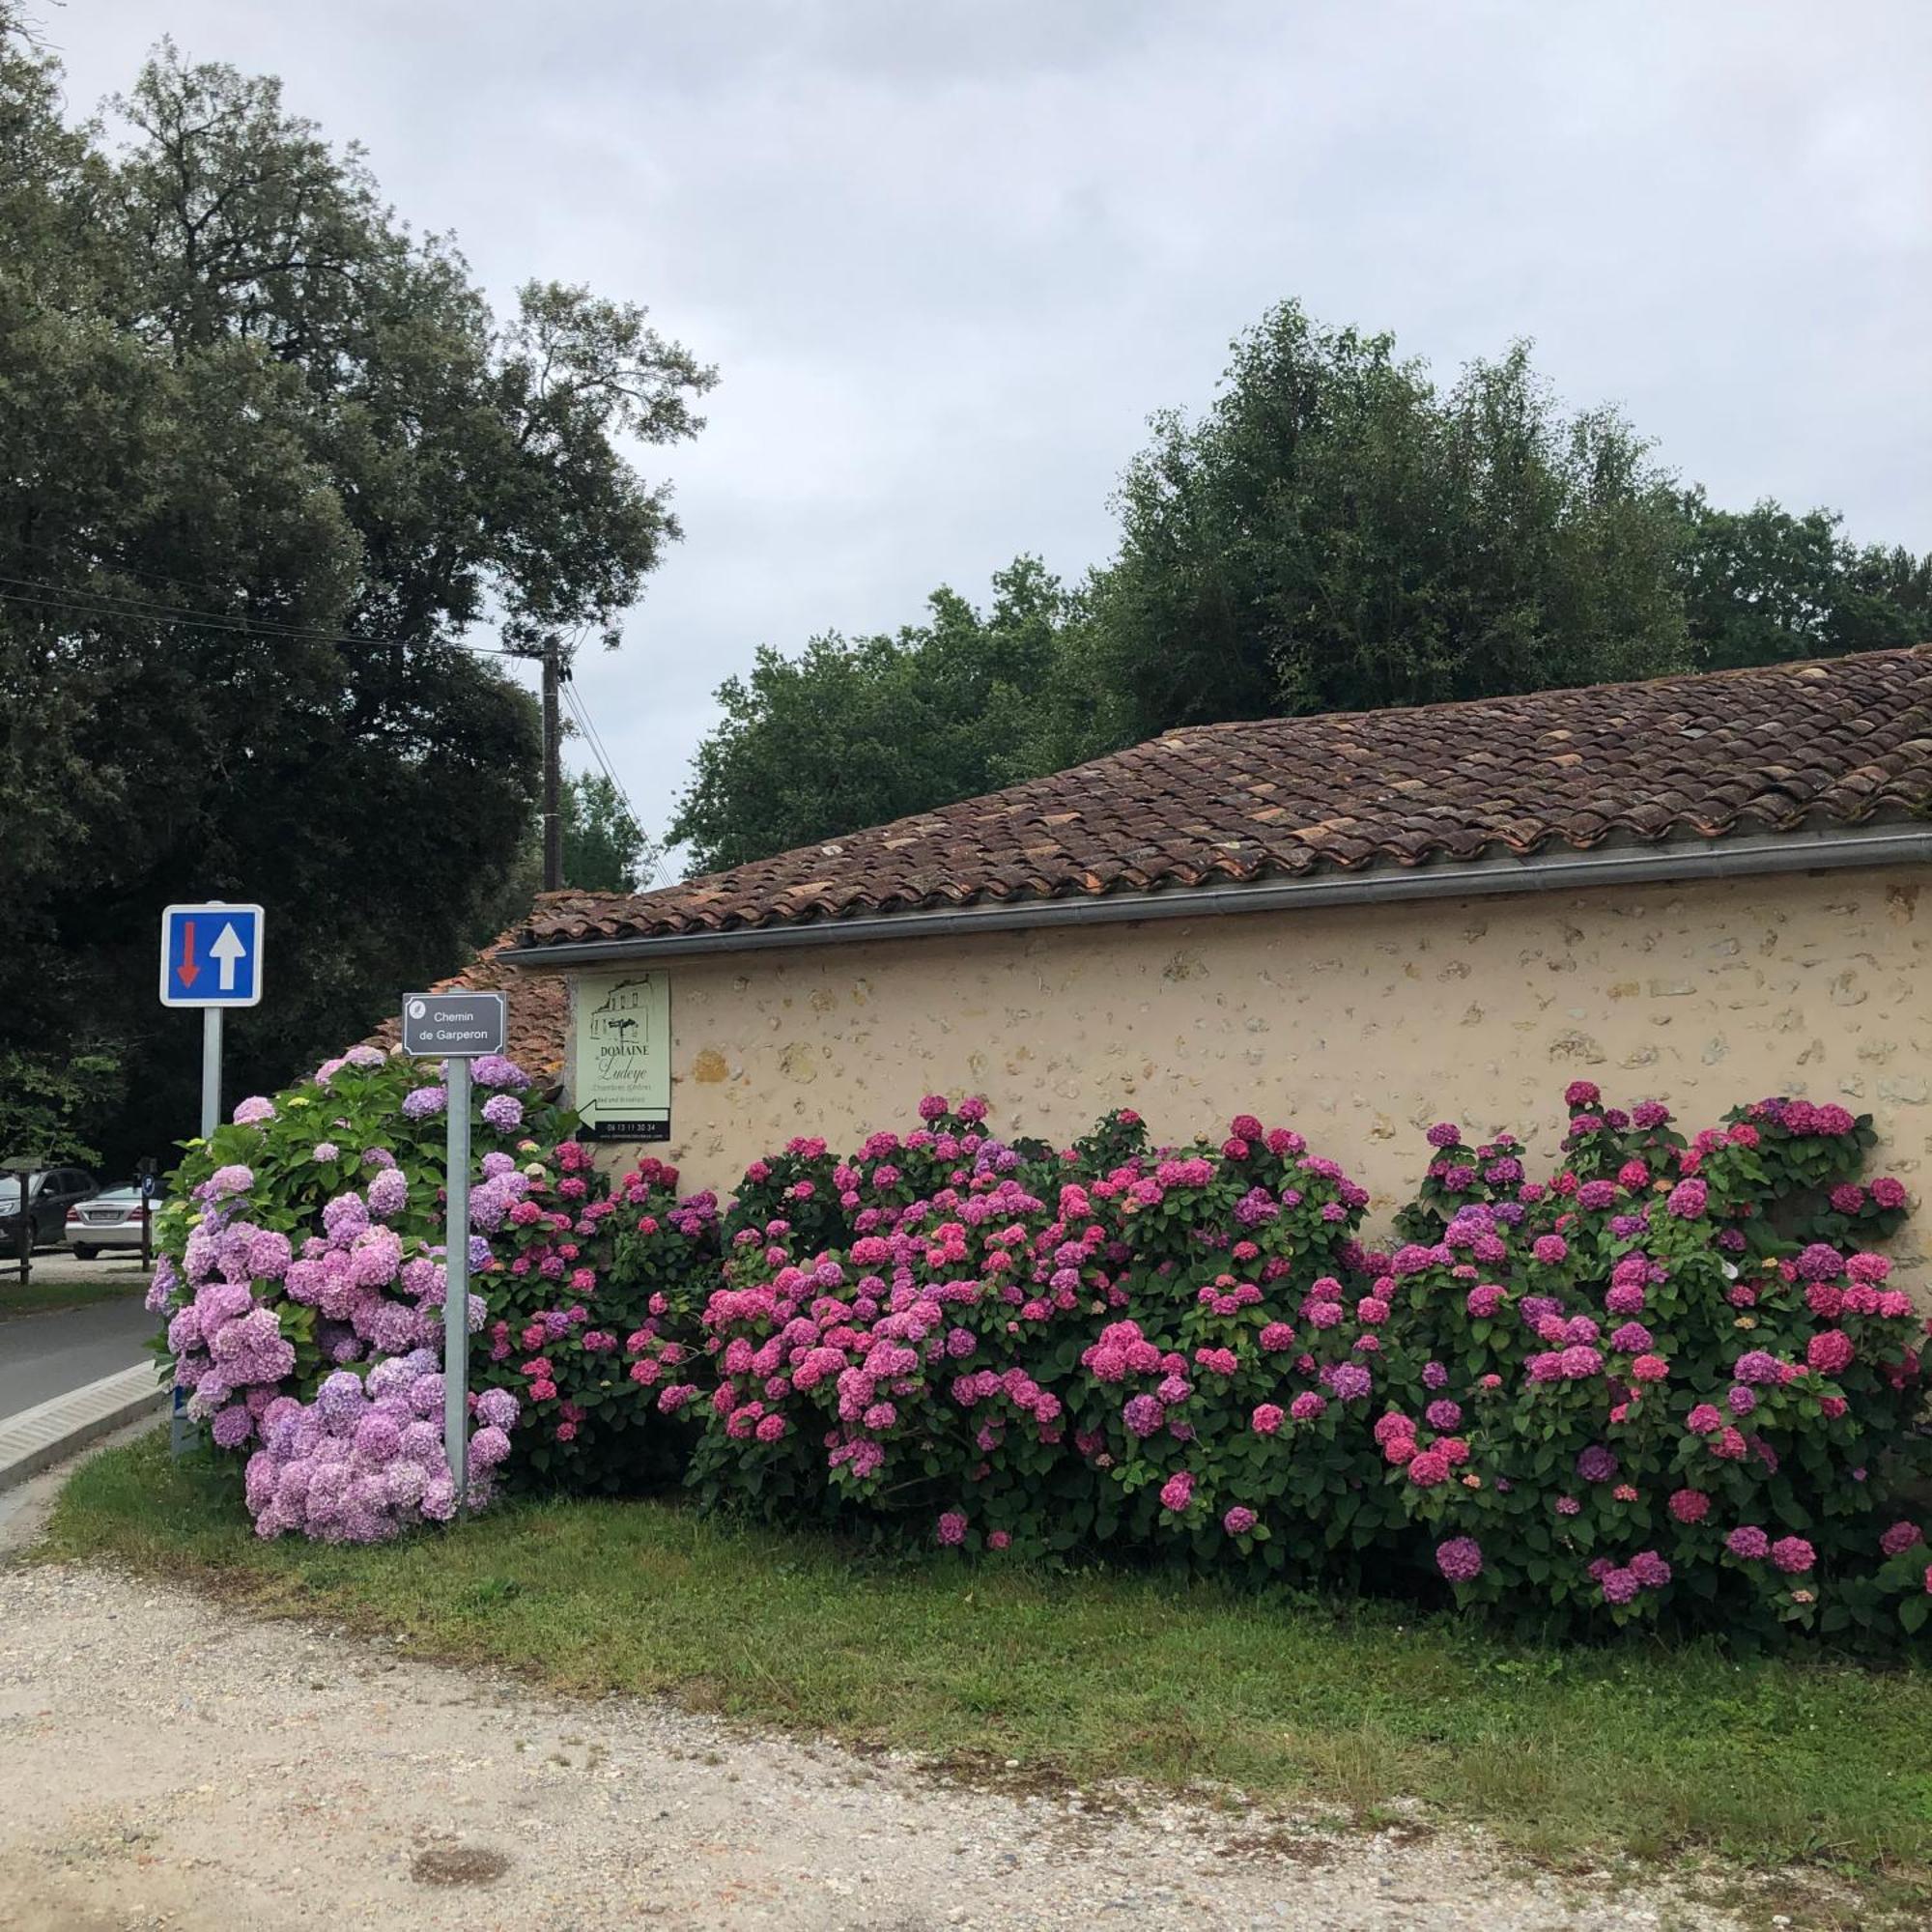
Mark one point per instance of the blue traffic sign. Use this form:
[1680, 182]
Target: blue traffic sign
[212, 956]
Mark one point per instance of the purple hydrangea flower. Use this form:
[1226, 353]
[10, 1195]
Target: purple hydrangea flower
[492, 1069]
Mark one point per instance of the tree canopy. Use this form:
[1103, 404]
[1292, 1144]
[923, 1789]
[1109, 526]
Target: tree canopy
[856, 732]
[1336, 532]
[269, 459]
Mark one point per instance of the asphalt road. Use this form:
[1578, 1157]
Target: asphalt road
[45, 1355]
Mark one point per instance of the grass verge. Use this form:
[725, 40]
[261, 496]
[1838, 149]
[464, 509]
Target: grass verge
[45, 1296]
[1564, 1751]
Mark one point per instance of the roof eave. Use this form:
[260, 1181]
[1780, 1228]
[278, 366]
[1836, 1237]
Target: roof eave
[1739, 856]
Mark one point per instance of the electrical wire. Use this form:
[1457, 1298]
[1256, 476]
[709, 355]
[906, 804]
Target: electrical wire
[111, 603]
[593, 739]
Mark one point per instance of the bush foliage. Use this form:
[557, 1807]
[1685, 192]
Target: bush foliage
[1669, 1382]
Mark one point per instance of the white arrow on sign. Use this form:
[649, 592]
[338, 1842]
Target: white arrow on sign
[225, 952]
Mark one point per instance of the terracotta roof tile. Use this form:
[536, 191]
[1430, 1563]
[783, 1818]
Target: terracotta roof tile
[1775, 747]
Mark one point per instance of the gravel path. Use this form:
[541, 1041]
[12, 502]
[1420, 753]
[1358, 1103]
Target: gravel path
[167, 1762]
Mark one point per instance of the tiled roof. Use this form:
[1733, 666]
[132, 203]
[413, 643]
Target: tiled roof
[1771, 748]
[537, 1009]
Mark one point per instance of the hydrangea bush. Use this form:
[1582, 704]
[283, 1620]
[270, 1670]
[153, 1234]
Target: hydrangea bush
[1667, 1382]
[302, 1253]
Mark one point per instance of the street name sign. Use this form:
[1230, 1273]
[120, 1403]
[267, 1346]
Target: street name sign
[456, 1028]
[438, 1025]
[212, 956]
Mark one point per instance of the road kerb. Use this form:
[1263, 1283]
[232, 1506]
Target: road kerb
[33, 1439]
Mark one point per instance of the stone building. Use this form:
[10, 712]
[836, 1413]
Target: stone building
[1705, 889]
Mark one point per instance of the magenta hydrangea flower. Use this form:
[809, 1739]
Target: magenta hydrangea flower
[1793, 1555]
[1749, 1543]
[1350, 1382]
[1444, 1134]
[1460, 1559]
[504, 1112]
[421, 1102]
[1238, 1521]
[1619, 1585]
[1687, 1200]
[1177, 1492]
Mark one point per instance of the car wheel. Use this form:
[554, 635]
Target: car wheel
[84, 1254]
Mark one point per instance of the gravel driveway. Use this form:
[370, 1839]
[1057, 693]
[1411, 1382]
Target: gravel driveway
[165, 1762]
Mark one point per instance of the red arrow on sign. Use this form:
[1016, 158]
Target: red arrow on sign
[187, 972]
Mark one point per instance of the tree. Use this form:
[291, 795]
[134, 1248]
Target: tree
[1763, 586]
[1336, 534]
[269, 459]
[604, 849]
[858, 731]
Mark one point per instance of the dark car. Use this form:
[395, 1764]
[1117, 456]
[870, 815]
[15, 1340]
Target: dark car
[50, 1193]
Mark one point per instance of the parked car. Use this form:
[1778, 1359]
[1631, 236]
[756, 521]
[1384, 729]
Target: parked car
[50, 1193]
[109, 1220]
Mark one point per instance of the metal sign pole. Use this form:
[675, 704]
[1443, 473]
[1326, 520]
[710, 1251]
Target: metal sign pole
[456, 1279]
[211, 1070]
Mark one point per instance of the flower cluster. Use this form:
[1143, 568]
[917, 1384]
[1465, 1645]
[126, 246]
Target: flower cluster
[366, 1459]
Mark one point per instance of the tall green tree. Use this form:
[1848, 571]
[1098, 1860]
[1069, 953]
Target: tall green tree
[1336, 533]
[604, 849]
[1763, 585]
[855, 731]
[269, 459]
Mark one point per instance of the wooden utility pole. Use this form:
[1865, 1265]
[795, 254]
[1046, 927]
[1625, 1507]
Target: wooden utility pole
[553, 770]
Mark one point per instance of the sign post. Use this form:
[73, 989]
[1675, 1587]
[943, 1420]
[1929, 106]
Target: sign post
[459, 1027]
[212, 958]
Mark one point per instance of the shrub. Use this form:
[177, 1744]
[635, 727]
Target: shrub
[301, 1249]
[1639, 1389]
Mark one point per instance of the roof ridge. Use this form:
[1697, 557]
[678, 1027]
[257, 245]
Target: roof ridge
[1699, 677]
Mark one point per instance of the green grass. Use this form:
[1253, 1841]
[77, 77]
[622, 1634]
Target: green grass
[44, 1294]
[1565, 1752]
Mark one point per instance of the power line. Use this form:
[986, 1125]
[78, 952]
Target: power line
[112, 604]
[580, 711]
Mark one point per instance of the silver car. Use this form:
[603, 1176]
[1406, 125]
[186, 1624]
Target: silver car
[111, 1220]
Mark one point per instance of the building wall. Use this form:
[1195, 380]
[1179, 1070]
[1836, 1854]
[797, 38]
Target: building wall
[1358, 1027]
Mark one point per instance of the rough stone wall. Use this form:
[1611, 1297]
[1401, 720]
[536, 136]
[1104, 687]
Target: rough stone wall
[1359, 1027]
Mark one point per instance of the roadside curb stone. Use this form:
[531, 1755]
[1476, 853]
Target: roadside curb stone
[33, 1439]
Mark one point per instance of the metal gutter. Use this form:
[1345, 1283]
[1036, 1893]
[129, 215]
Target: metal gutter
[1751, 855]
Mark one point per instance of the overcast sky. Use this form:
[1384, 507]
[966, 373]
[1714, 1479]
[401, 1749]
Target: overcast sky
[948, 254]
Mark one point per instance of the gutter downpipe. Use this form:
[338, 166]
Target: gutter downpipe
[1756, 856]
